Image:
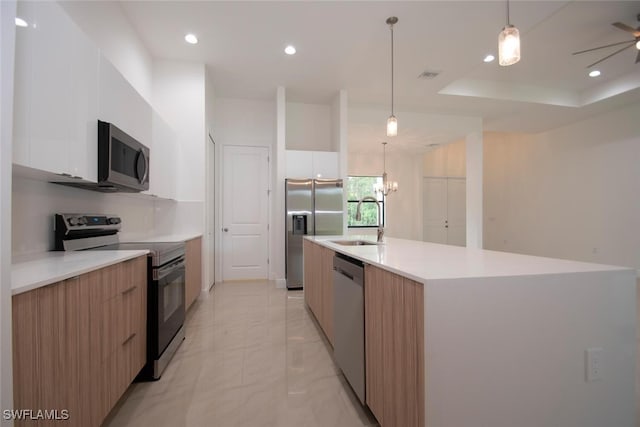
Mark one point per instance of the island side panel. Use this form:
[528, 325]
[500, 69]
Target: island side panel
[373, 301]
[511, 350]
[413, 354]
[394, 317]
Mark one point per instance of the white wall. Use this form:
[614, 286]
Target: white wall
[473, 190]
[209, 255]
[277, 244]
[7, 46]
[253, 123]
[505, 352]
[447, 160]
[309, 127]
[567, 193]
[245, 122]
[340, 137]
[106, 24]
[35, 202]
[404, 207]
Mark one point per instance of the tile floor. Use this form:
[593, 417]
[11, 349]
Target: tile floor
[253, 357]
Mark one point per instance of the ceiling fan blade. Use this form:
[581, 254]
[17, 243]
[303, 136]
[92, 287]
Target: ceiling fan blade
[602, 47]
[625, 27]
[609, 56]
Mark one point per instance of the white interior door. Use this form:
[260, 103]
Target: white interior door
[444, 211]
[434, 210]
[245, 213]
[456, 211]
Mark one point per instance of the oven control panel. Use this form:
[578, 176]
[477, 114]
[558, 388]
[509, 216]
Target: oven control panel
[76, 231]
[69, 222]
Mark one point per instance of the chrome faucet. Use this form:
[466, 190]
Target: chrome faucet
[359, 214]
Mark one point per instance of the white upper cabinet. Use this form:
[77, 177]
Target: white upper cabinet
[299, 164]
[63, 86]
[325, 164]
[311, 164]
[120, 104]
[56, 81]
[162, 164]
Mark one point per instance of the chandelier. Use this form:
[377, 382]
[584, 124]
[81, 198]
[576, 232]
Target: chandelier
[392, 122]
[387, 186]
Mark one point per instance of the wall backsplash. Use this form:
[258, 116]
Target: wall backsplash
[35, 202]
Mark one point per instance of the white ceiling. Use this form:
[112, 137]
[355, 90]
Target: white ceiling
[345, 45]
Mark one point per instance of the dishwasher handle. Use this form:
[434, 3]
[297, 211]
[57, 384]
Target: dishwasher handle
[344, 273]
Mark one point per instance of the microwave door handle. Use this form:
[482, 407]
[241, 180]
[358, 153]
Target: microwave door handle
[146, 167]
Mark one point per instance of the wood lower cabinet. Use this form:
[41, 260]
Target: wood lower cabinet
[193, 273]
[311, 270]
[326, 292]
[394, 348]
[78, 344]
[318, 284]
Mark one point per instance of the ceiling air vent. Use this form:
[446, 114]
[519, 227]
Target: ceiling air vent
[428, 75]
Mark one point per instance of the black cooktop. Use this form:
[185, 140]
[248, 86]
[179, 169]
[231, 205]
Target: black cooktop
[161, 252]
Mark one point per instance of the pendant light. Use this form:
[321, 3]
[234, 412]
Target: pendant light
[387, 186]
[392, 122]
[508, 43]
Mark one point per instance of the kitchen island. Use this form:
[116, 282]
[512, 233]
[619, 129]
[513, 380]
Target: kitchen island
[460, 337]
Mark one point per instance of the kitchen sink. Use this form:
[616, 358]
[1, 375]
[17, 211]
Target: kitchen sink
[354, 242]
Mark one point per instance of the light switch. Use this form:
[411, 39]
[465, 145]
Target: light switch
[594, 364]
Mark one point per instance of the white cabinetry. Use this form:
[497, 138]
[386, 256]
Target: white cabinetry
[63, 85]
[299, 164]
[314, 164]
[56, 82]
[325, 164]
[444, 210]
[162, 168]
[119, 103]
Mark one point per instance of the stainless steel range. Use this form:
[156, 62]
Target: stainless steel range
[166, 280]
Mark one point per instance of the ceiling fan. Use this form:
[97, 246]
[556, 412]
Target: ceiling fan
[628, 43]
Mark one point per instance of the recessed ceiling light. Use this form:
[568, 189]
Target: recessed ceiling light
[21, 22]
[191, 38]
[290, 50]
[594, 73]
[489, 58]
[638, 45]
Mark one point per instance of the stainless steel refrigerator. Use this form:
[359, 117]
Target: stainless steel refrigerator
[313, 207]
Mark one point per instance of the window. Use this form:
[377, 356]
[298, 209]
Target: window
[357, 188]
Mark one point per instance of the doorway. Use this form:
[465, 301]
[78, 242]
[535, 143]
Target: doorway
[444, 211]
[245, 213]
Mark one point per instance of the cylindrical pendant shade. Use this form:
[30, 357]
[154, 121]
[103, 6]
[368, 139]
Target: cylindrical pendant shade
[392, 126]
[509, 46]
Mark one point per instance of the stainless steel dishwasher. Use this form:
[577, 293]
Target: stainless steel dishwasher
[348, 317]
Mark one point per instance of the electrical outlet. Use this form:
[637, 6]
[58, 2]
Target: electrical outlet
[594, 364]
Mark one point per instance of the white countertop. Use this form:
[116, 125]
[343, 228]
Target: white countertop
[34, 271]
[182, 237]
[422, 261]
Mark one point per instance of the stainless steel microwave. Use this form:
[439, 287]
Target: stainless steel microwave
[123, 163]
[122, 160]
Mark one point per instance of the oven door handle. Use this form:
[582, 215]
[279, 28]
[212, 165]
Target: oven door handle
[168, 269]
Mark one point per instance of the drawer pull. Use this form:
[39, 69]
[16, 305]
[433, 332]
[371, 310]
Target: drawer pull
[129, 339]
[126, 291]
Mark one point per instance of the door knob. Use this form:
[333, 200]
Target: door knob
[225, 229]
